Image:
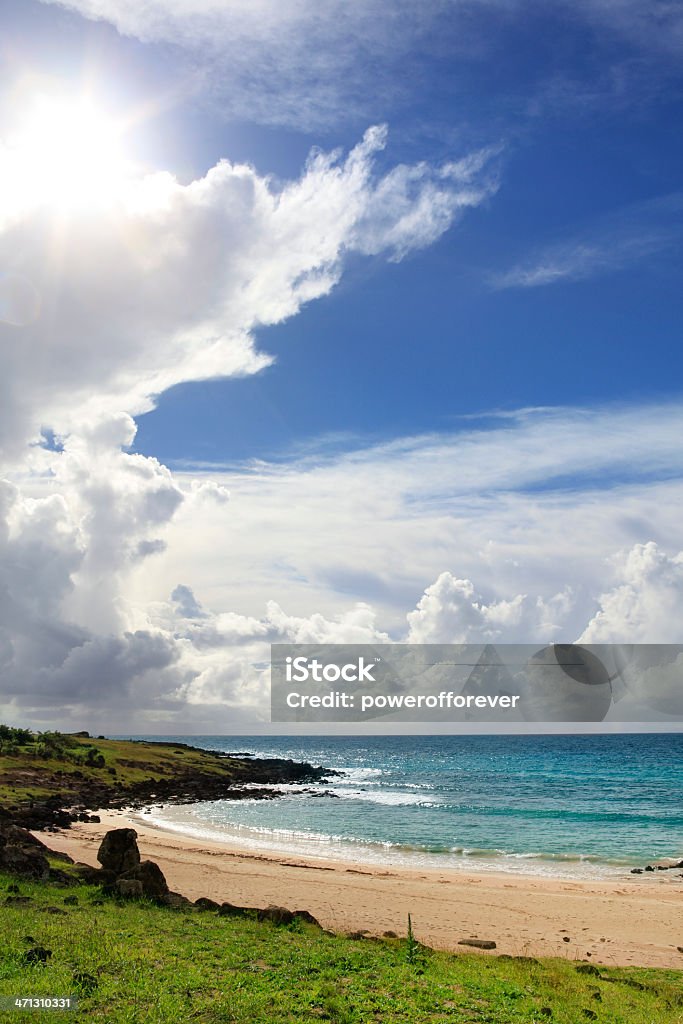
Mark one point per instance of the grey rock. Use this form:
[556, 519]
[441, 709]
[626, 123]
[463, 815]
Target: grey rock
[176, 901]
[151, 878]
[230, 910]
[37, 955]
[204, 903]
[278, 915]
[26, 861]
[130, 888]
[118, 850]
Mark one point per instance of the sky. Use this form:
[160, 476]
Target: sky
[333, 321]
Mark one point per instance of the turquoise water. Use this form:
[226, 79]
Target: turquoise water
[571, 805]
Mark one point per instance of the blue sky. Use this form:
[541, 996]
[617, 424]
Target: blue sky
[584, 116]
[503, 273]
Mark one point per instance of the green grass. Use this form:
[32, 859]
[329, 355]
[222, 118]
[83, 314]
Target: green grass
[153, 964]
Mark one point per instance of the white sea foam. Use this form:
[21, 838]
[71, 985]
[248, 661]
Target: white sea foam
[390, 797]
[189, 821]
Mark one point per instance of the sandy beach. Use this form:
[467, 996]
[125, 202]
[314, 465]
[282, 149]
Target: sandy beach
[634, 920]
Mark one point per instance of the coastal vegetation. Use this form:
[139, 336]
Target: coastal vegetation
[44, 774]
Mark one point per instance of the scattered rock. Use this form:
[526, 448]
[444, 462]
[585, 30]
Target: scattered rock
[230, 910]
[94, 876]
[632, 983]
[18, 901]
[62, 878]
[307, 916]
[129, 888]
[389, 935]
[589, 1014]
[149, 875]
[565, 938]
[204, 903]
[176, 901]
[22, 854]
[588, 969]
[71, 901]
[478, 943]
[277, 915]
[37, 955]
[118, 850]
[545, 1011]
[84, 983]
[636, 871]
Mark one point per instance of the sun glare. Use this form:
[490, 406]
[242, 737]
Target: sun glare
[68, 154]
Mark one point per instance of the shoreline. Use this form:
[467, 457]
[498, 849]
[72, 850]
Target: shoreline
[559, 867]
[632, 920]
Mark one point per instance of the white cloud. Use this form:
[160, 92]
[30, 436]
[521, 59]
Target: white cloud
[435, 539]
[167, 282]
[310, 63]
[535, 507]
[167, 287]
[452, 612]
[624, 239]
[644, 607]
[161, 284]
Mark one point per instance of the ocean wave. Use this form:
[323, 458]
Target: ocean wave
[332, 846]
[389, 797]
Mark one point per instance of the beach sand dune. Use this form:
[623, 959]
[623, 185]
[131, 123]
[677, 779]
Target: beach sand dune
[633, 920]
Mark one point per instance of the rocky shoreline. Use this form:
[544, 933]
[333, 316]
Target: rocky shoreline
[76, 795]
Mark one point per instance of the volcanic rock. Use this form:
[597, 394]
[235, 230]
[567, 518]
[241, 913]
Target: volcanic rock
[118, 850]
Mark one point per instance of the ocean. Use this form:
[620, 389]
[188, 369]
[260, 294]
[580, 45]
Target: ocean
[571, 806]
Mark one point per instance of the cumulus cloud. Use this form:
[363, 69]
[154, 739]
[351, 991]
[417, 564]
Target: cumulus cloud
[485, 535]
[645, 604]
[452, 612]
[161, 283]
[168, 281]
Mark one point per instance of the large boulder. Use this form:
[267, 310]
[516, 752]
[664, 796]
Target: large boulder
[150, 877]
[118, 851]
[22, 854]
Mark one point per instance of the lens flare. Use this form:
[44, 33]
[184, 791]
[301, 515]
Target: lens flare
[66, 153]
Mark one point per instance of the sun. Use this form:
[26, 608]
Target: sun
[67, 153]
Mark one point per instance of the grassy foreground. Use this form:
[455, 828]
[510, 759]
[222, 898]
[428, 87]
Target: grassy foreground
[135, 962]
